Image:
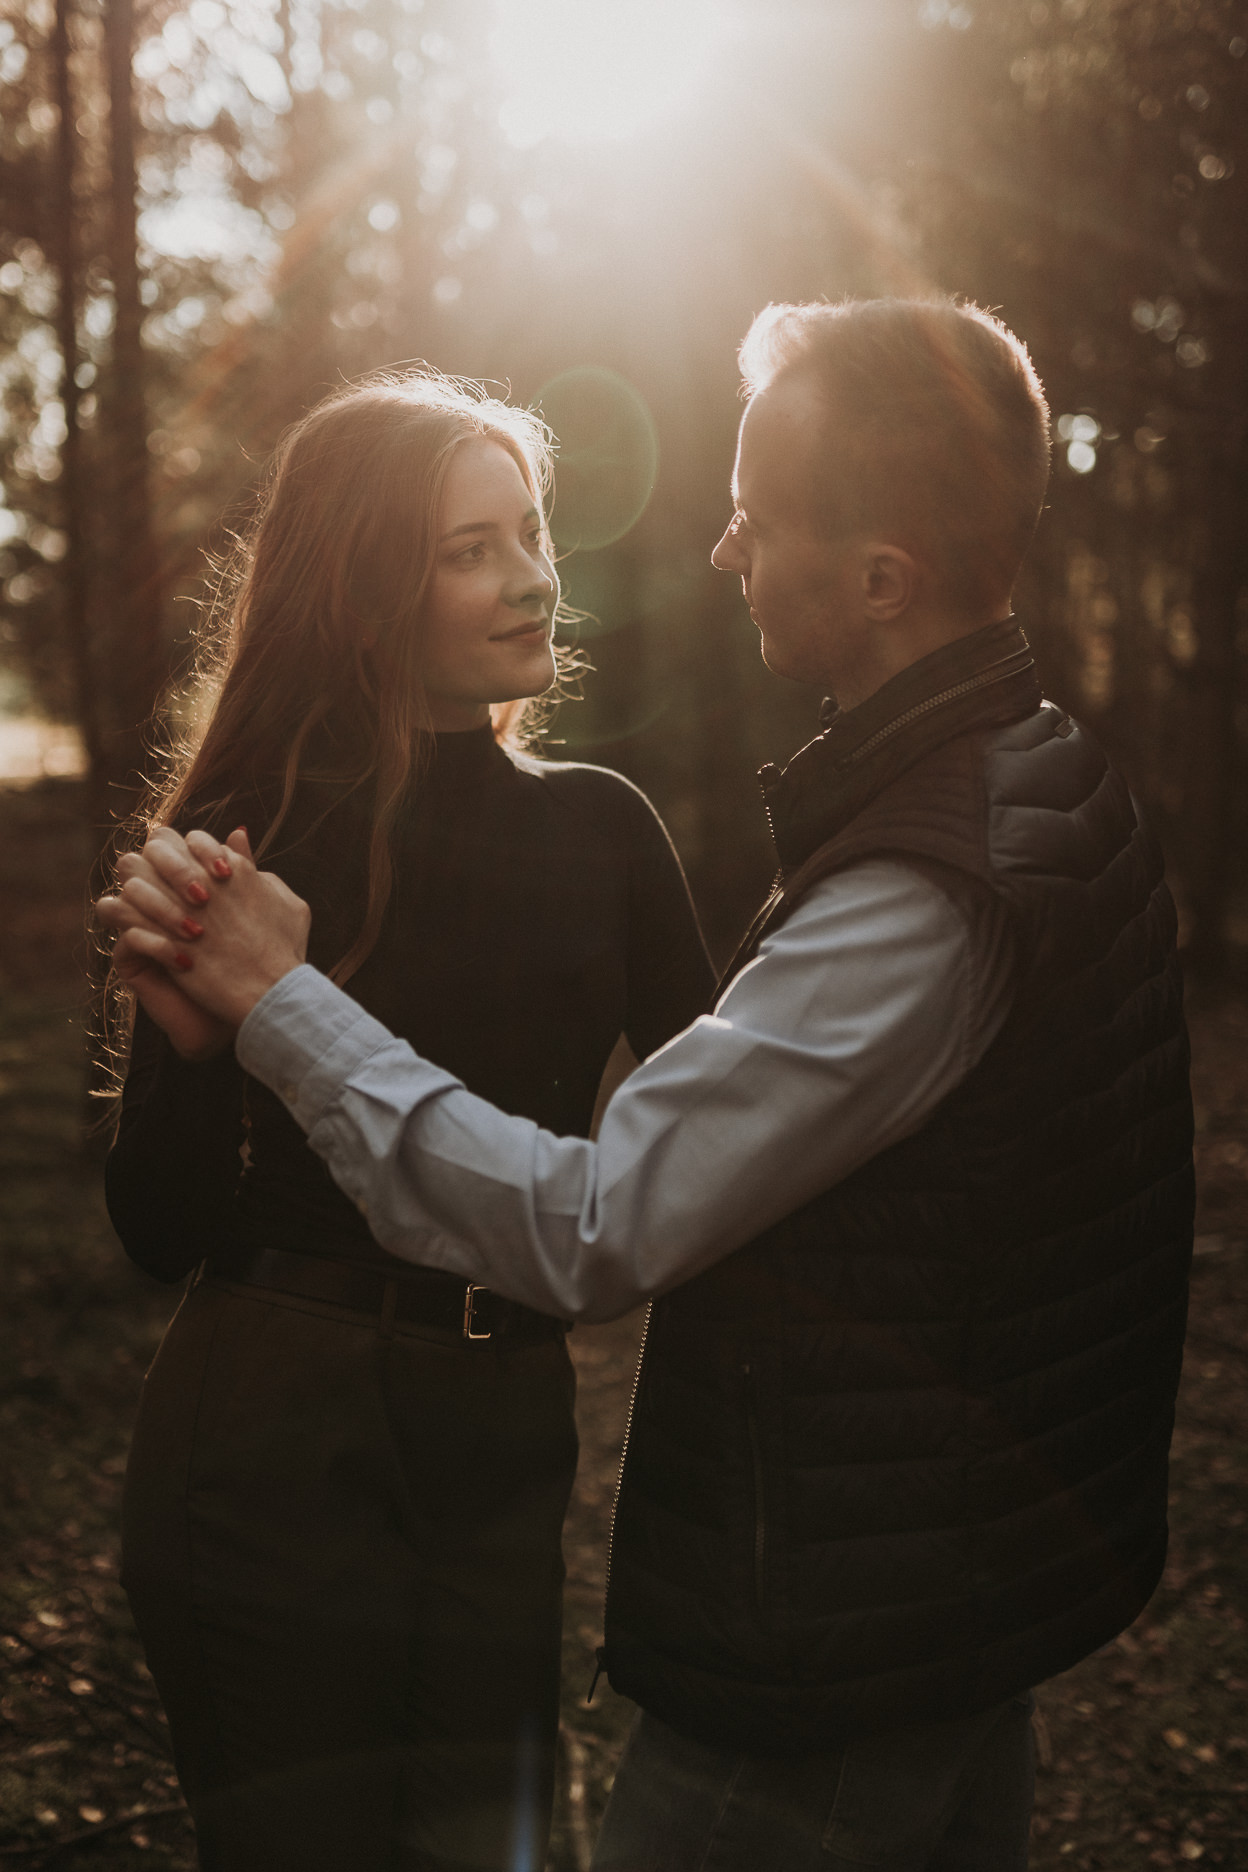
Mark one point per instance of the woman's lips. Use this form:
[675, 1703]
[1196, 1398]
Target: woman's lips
[538, 628]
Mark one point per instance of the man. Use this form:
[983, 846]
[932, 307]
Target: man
[916, 1198]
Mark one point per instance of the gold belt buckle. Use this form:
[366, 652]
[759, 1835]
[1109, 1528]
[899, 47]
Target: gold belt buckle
[470, 1308]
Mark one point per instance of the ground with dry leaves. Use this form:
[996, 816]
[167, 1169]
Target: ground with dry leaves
[1144, 1747]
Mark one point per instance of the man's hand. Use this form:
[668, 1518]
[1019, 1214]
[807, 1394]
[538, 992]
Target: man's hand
[191, 1030]
[221, 931]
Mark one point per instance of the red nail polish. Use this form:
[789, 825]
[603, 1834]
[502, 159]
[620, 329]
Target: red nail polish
[246, 834]
[196, 892]
[221, 868]
[182, 960]
[189, 927]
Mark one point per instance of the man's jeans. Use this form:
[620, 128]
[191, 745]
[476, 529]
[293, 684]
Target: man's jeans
[946, 1797]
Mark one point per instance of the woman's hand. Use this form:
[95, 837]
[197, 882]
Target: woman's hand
[222, 931]
[190, 1029]
[147, 915]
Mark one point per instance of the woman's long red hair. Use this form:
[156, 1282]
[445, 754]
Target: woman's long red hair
[312, 648]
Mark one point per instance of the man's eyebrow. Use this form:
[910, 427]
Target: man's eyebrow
[483, 526]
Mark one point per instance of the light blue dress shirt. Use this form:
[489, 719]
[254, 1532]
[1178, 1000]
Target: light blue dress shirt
[865, 1009]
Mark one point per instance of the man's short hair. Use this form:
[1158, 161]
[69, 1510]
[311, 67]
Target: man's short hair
[937, 434]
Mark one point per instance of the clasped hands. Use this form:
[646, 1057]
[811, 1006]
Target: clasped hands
[203, 934]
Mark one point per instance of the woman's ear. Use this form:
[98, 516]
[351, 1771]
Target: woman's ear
[890, 580]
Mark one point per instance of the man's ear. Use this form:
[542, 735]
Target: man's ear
[890, 580]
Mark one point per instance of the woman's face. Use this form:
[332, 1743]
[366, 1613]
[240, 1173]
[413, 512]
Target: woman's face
[488, 618]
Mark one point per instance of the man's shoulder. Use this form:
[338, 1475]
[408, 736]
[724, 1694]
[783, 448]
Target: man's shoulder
[1054, 802]
[1047, 752]
[993, 810]
[1020, 793]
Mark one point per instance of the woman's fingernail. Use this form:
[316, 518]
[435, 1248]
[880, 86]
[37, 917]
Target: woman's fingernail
[189, 927]
[196, 892]
[246, 834]
[222, 868]
[182, 960]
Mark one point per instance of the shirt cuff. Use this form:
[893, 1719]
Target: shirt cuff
[304, 1039]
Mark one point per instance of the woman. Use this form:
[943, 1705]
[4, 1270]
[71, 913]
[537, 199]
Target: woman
[348, 1478]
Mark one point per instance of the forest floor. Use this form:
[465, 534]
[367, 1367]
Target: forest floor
[1144, 1747]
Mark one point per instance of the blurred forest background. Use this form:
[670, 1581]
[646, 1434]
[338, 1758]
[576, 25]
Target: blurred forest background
[211, 211]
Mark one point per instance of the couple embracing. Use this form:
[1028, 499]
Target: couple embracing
[911, 1191]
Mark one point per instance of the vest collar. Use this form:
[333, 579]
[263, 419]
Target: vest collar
[982, 680]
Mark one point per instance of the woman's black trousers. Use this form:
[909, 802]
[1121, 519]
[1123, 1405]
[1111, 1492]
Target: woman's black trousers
[341, 1547]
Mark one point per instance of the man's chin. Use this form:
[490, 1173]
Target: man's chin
[787, 667]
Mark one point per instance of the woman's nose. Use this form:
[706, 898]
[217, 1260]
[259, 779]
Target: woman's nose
[536, 580]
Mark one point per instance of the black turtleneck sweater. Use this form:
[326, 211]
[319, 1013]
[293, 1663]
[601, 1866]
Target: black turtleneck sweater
[538, 912]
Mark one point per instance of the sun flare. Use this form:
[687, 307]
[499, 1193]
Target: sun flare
[599, 70]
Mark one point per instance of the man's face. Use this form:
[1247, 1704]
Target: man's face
[802, 582]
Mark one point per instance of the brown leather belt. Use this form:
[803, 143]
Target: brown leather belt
[416, 1296]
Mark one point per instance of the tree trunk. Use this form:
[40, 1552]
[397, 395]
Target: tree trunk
[137, 658]
[1211, 780]
[75, 577]
[1212, 698]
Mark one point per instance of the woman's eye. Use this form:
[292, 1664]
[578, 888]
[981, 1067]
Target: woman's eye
[471, 555]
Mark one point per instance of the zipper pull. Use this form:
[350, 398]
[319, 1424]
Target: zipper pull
[600, 1653]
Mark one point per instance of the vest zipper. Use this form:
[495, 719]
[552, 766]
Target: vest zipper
[984, 680]
[778, 880]
[771, 824]
[760, 1498]
[600, 1652]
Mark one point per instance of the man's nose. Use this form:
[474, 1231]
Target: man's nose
[727, 556]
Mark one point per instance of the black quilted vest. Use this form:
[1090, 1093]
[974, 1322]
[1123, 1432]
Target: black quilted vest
[905, 1453]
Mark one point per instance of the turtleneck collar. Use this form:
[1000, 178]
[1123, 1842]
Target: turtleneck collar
[984, 679]
[469, 758]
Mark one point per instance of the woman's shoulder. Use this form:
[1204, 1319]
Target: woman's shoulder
[596, 792]
[319, 812]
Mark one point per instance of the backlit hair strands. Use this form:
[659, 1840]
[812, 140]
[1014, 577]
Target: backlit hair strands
[940, 428]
